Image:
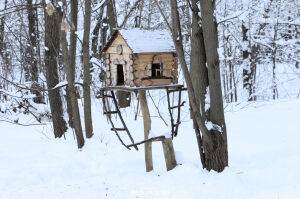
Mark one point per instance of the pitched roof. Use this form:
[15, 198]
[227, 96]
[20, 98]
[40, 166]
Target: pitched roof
[146, 41]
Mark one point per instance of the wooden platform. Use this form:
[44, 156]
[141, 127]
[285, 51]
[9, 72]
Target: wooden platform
[135, 89]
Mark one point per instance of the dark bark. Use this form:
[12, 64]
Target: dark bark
[86, 71]
[198, 69]
[52, 43]
[73, 45]
[72, 90]
[2, 21]
[198, 72]
[177, 39]
[216, 157]
[32, 56]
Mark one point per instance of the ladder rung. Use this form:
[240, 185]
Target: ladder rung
[176, 124]
[176, 90]
[111, 112]
[182, 104]
[118, 129]
[171, 91]
[174, 106]
[108, 96]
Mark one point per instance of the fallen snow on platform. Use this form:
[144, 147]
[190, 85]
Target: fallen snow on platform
[264, 158]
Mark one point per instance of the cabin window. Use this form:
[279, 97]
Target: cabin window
[157, 70]
[120, 74]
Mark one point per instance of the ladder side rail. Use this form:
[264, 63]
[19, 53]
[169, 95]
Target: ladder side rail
[122, 120]
[112, 124]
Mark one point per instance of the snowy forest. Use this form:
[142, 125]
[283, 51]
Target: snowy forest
[149, 99]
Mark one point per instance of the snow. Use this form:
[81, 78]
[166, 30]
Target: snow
[263, 141]
[146, 41]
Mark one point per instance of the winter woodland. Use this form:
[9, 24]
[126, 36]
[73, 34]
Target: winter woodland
[235, 63]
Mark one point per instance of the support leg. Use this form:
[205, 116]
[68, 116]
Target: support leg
[169, 153]
[147, 128]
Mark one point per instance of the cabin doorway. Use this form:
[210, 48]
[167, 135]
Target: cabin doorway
[120, 75]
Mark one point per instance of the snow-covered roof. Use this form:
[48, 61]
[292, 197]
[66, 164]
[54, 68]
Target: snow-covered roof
[148, 41]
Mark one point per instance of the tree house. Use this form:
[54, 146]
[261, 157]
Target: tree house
[138, 57]
[139, 60]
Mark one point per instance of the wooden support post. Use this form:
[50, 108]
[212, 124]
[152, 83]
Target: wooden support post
[147, 128]
[169, 153]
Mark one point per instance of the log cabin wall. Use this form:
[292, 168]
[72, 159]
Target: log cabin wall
[137, 68]
[143, 69]
[115, 56]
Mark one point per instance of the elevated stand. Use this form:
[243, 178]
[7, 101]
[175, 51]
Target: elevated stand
[167, 143]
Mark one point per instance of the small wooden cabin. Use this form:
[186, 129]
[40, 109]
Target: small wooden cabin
[138, 57]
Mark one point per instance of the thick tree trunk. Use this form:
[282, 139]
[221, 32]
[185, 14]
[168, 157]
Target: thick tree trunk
[198, 69]
[73, 45]
[86, 71]
[2, 21]
[72, 90]
[32, 51]
[52, 23]
[198, 72]
[217, 157]
[177, 38]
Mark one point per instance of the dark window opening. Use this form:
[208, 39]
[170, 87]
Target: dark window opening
[157, 70]
[120, 74]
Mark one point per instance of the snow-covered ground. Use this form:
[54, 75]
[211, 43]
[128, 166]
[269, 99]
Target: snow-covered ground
[264, 158]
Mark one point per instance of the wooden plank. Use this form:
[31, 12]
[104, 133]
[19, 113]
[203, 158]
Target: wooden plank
[169, 153]
[121, 118]
[154, 139]
[134, 89]
[155, 82]
[147, 128]
[119, 41]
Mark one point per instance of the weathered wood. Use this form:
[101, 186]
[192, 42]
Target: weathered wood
[154, 82]
[147, 128]
[135, 89]
[121, 118]
[108, 81]
[118, 129]
[169, 153]
[117, 41]
[131, 83]
[154, 139]
[111, 122]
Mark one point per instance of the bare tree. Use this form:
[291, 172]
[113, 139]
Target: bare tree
[86, 71]
[52, 22]
[32, 51]
[214, 153]
[217, 158]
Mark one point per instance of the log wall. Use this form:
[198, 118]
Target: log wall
[113, 58]
[142, 68]
[138, 66]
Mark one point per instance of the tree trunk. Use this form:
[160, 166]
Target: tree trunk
[51, 55]
[72, 91]
[217, 157]
[73, 45]
[86, 71]
[32, 51]
[198, 69]
[177, 39]
[2, 21]
[71, 86]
